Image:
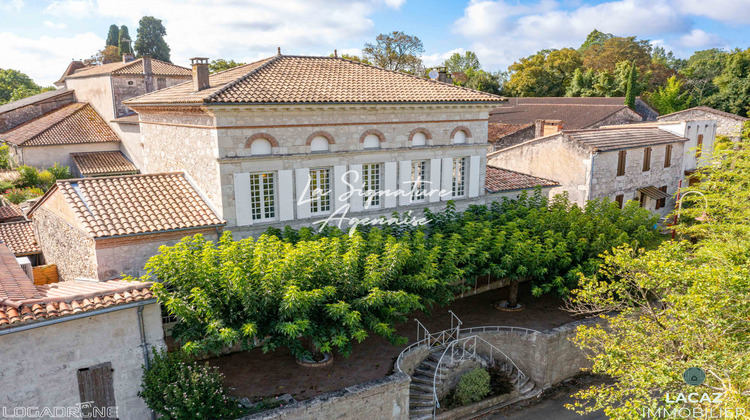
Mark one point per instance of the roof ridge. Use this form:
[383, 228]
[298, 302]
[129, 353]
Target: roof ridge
[102, 178]
[521, 173]
[243, 77]
[51, 126]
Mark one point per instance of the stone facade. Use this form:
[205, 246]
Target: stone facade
[386, 398]
[46, 156]
[623, 116]
[512, 139]
[65, 245]
[39, 365]
[20, 115]
[725, 125]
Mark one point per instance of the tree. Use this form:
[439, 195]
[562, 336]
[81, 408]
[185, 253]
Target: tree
[546, 73]
[700, 70]
[630, 92]
[680, 306]
[150, 40]
[396, 51]
[611, 51]
[582, 84]
[462, 63]
[355, 58]
[110, 54]
[123, 41]
[670, 98]
[595, 37]
[483, 81]
[15, 85]
[220, 64]
[733, 85]
[113, 36]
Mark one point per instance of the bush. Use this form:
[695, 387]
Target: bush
[60, 172]
[19, 195]
[46, 179]
[178, 387]
[5, 158]
[5, 186]
[472, 387]
[28, 177]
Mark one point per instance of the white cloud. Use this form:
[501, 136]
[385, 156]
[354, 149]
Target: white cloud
[728, 11]
[431, 60]
[698, 38]
[11, 5]
[45, 58]
[53, 25]
[71, 8]
[394, 4]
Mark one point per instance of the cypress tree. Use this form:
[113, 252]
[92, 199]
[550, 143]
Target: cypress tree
[150, 40]
[630, 92]
[113, 36]
[124, 41]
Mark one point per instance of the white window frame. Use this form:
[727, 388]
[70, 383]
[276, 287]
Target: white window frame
[418, 181]
[372, 180]
[459, 177]
[263, 196]
[320, 179]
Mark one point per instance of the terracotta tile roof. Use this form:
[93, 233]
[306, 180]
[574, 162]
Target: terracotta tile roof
[10, 106]
[573, 116]
[496, 131]
[10, 212]
[499, 180]
[14, 283]
[20, 237]
[70, 297]
[103, 163]
[72, 124]
[131, 204]
[72, 68]
[158, 68]
[298, 79]
[709, 110]
[604, 139]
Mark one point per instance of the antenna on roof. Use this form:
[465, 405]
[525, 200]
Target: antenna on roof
[335, 53]
[278, 50]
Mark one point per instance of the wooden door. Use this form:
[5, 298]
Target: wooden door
[97, 391]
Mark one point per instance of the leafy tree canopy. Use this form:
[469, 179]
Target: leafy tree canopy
[354, 58]
[546, 73]
[113, 36]
[396, 51]
[670, 98]
[221, 64]
[462, 63]
[123, 41]
[15, 85]
[733, 85]
[150, 40]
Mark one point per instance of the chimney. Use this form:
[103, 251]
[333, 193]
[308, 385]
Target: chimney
[200, 73]
[126, 58]
[147, 65]
[443, 76]
[148, 76]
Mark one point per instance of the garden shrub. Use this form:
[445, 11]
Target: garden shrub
[46, 179]
[5, 186]
[28, 177]
[60, 171]
[5, 158]
[177, 387]
[472, 387]
[19, 195]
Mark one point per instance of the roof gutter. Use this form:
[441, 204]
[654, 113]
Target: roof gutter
[85, 314]
[166, 104]
[161, 231]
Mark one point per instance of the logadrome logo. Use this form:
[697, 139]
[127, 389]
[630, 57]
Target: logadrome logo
[694, 405]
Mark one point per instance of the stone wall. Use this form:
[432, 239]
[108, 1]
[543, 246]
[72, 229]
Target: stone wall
[648, 113]
[65, 246]
[129, 86]
[45, 156]
[726, 126]
[623, 116]
[512, 139]
[18, 116]
[385, 398]
[39, 366]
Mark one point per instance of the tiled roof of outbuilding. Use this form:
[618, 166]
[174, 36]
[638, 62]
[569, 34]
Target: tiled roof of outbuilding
[103, 163]
[709, 110]
[72, 124]
[573, 116]
[10, 106]
[135, 67]
[9, 212]
[496, 131]
[20, 237]
[134, 204]
[300, 79]
[14, 283]
[499, 180]
[604, 139]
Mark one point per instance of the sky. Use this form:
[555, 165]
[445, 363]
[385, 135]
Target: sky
[40, 38]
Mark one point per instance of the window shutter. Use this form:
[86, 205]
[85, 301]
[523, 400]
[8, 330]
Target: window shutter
[242, 198]
[302, 181]
[434, 185]
[474, 176]
[446, 183]
[404, 175]
[339, 187]
[668, 156]
[391, 184]
[699, 146]
[286, 195]
[96, 387]
[355, 179]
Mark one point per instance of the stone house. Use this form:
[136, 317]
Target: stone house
[727, 124]
[629, 162]
[76, 344]
[527, 118]
[18, 112]
[283, 140]
[104, 228]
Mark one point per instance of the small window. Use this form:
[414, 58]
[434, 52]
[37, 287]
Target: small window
[131, 83]
[621, 157]
[668, 156]
[371, 185]
[262, 196]
[662, 202]
[418, 139]
[260, 147]
[418, 173]
[646, 159]
[459, 137]
[371, 142]
[320, 190]
[699, 146]
[619, 198]
[459, 177]
[319, 144]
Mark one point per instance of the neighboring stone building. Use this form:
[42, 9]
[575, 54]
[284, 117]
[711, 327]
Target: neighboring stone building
[18, 112]
[524, 119]
[628, 162]
[104, 228]
[64, 344]
[257, 139]
[51, 138]
[727, 124]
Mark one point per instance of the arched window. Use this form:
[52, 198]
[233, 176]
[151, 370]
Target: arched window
[419, 139]
[319, 144]
[260, 147]
[372, 141]
[459, 137]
